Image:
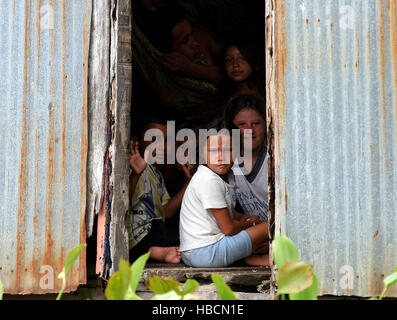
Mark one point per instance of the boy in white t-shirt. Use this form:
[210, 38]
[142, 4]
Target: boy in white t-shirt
[212, 233]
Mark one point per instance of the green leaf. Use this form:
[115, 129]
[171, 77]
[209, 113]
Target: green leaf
[284, 250]
[118, 286]
[157, 285]
[308, 294]
[190, 286]
[132, 296]
[122, 285]
[294, 277]
[163, 285]
[390, 279]
[71, 257]
[224, 292]
[137, 269]
[170, 295]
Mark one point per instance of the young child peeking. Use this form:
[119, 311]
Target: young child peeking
[212, 233]
[150, 204]
[248, 113]
[241, 71]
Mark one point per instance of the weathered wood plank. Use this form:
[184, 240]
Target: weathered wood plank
[121, 84]
[248, 283]
[207, 292]
[98, 104]
[245, 276]
[274, 221]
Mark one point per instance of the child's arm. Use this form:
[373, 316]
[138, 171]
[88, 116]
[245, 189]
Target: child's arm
[238, 215]
[174, 203]
[227, 225]
[243, 216]
[137, 164]
[179, 64]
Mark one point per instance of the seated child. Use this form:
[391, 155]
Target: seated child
[212, 233]
[247, 112]
[150, 204]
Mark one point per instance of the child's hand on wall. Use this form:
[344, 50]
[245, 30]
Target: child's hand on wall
[137, 163]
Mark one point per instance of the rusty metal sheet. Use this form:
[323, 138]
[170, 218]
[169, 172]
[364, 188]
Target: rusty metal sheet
[335, 139]
[43, 141]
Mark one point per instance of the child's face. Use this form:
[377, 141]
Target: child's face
[250, 119]
[160, 145]
[218, 153]
[237, 68]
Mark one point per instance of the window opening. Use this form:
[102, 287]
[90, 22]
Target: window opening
[169, 83]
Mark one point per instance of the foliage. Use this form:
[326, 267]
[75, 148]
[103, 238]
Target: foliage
[294, 278]
[224, 292]
[71, 257]
[388, 282]
[123, 284]
[163, 286]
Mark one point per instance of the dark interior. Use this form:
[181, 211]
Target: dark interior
[226, 20]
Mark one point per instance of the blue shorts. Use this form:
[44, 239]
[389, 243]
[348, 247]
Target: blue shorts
[220, 254]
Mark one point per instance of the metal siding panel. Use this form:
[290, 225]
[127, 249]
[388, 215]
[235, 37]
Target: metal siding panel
[335, 130]
[43, 141]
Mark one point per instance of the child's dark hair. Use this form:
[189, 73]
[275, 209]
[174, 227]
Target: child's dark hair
[240, 102]
[141, 122]
[219, 124]
[251, 55]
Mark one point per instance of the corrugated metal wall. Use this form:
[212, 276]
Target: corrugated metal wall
[43, 141]
[336, 148]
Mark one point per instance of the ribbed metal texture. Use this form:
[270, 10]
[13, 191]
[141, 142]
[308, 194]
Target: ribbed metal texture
[336, 148]
[43, 141]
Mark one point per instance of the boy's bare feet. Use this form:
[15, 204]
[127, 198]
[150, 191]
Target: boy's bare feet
[165, 254]
[257, 260]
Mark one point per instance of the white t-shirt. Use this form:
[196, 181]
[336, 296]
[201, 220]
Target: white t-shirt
[251, 189]
[198, 227]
